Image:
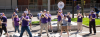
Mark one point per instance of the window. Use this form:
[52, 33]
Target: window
[33, 2]
[56, 1]
[68, 2]
[45, 2]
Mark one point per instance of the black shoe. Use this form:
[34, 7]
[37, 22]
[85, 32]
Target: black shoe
[39, 35]
[94, 33]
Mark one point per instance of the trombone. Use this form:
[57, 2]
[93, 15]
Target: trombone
[42, 16]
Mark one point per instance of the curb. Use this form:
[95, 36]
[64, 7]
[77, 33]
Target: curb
[88, 26]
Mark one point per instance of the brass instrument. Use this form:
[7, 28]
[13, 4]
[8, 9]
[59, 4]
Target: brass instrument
[0, 23]
[91, 18]
[42, 16]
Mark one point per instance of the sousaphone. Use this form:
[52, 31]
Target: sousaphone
[61, 5]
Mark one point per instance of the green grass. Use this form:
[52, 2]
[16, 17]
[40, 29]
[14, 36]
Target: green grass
[37, 22]
[86, 21]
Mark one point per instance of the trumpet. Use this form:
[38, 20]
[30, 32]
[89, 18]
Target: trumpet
[43, 15]
[90, 17]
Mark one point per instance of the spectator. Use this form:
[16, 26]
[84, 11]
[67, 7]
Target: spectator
[64, 25]
[16, 10]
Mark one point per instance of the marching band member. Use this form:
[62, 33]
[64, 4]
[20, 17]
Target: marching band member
[4, 23]
[0, 26]
[13, 15]
[44, 21]
[30, 17]
[59, 17]
[16, 23]
[79, 22]
[64, 25]
[25, 25]
[20, 21]
[92, 17]
[39, 15]
[49, 20]
[69, 16]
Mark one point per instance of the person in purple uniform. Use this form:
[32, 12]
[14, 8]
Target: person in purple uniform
[79, 22]
[0, 25]
[16, 23]
[21, 19]
[69, 16]
[13, 15]
[49, 20]
[44, 22]
[92, 17]
[59, 17]
[25, 25]
[30, 16]
[4, 23]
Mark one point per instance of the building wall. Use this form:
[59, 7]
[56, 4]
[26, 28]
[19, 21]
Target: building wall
[39, 2]
[14, 4]
[52, 2]
[5, 4]
[87, 1]
[22, 2]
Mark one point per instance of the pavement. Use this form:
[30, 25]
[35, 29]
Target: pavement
[35, 30]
